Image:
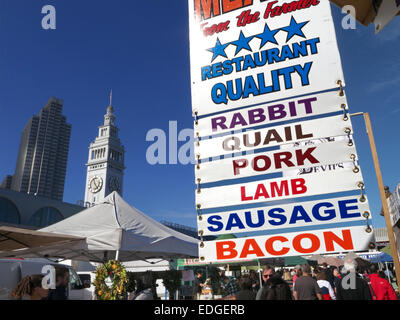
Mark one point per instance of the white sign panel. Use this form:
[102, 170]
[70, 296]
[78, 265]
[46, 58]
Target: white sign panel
[276, 161]
[283, 216]
[246, 52]
[272, 136]
[288, 244]
[269, 113]
[276, 189]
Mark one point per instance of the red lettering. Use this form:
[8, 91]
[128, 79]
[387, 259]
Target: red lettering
[287, 7]
[215, 28]
[205, 9]
[298, 186]
[239, 164]
[283, 157]
[261, 192]
[301, 157]
[269, 246]
[251, 247]
[243, 194]
[267, 163]
[226, 250]
[346, 243]
[315, 243]
[276, 191]
[231, 5]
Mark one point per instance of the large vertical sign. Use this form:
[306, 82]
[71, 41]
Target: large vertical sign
[267, 83]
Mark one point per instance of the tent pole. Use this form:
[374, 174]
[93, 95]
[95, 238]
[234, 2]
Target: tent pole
[117, 255]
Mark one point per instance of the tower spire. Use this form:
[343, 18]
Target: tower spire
[111, 98]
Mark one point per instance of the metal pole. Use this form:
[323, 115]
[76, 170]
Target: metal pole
[259, 273]
[383, 197]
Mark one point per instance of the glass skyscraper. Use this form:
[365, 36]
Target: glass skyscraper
[43, 153]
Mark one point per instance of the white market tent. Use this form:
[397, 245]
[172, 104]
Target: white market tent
[113, 229]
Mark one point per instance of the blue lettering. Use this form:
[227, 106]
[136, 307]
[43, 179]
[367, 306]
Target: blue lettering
[248, 63]
[261, 219]
[304, 73]
[274, 214]
[214, 220]
[250, 87]
[344, 209]
[234, 221]
[217, 69]
[330, 213]
[227, 67]
[296, 217]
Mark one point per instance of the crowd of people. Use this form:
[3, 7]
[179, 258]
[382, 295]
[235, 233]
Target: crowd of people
[351, 282]
[32, 287]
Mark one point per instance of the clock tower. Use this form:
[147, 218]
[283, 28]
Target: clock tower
[105, 167]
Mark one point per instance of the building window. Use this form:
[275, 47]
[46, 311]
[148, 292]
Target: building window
[9, 212]
[45, 217]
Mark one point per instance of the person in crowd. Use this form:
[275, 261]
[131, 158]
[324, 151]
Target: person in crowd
[279, 273]
[327, 291]
[336, 278]
[389, 274]
[267, 273]
[287, 277]
[198, 285]
[62, 281]
[32, 286]
[230, 286]
[275, 288]
[306, 288]
[298, 273]
[328, 272]
[245, 289]
[351, 286]
[380, 288]
[255, 282]
[144, 289]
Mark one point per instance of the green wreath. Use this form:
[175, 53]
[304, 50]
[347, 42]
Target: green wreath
[117, 273]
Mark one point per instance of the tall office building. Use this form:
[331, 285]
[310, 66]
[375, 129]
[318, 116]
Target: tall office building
[105, 167]
[43, 153]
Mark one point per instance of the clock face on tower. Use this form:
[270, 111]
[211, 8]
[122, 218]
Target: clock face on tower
[95, 184]
[114, 184]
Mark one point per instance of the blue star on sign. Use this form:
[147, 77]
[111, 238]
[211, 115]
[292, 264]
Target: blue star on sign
[267, 36]
[242, 43]
[294, 29]
[218, 50]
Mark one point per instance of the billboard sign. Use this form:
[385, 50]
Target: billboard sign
[245, 52]
[269, 106]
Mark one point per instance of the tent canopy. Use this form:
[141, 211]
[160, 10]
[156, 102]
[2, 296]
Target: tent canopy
[115, 226]
[12, 238]
[382, 257]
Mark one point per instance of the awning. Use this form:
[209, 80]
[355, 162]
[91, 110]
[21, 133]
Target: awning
[12, 238]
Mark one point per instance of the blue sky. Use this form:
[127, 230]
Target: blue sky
[140, 50]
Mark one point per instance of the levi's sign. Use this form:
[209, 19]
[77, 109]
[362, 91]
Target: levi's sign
[249, 52]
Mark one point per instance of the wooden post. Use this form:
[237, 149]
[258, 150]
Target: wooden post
[383, 197]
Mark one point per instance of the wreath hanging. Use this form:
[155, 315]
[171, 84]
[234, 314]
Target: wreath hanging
[111, 280]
